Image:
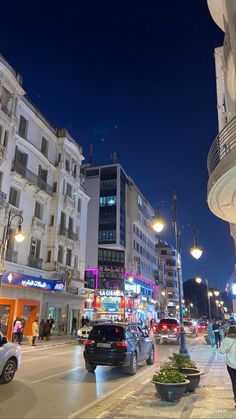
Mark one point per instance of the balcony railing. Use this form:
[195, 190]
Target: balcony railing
[35, 262]
[3, 197]
[222, 146]
[32, 177]
[67, 233]
[11, 255]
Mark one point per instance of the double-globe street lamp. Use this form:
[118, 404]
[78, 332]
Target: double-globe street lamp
[19, 236]
[196, 252]
[198, 280]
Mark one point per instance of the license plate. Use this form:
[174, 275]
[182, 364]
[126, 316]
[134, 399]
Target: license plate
[103, 345]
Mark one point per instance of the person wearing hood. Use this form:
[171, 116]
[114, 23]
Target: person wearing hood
[228, 347]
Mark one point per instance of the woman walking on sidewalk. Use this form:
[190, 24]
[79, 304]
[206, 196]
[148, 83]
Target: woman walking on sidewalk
[228, 347]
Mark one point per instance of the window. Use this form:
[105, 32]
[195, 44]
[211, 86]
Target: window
[35, 248]
[107, 236]
[68, 257]
[23, 125]
[74, 170]
[107, 200]
[38, 210]
[52, 220]
[164, 252]
[79, 205]
[70, 227]
[90, 173]
[43, 174]
[55, 187]
[69, 190]
[67, 165]
[1, 179]
[44, 147]
[60, 254]
[49, 256]
[76, 262]
[14, 197]
[5, 140]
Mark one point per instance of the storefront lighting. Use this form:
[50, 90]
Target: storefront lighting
[130, 278]
[10, 277]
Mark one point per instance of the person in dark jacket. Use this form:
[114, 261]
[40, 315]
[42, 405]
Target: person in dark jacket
[47, 329]
[41, 330]
[216, 330]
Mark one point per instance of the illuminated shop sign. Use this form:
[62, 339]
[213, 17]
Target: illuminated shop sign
[113, 269]
[26, 281]
[110, 293]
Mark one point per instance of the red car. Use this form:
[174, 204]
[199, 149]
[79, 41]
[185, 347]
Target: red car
[168, 330]
[202, 327]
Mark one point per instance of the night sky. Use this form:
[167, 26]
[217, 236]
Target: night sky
[135, 77]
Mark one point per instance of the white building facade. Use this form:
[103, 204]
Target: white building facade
[40, 180]
[120, 257]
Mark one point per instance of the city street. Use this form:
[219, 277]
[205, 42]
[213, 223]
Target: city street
[52, 382]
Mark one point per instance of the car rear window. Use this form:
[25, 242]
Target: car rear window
[107, 333]
[187, 323]
[169, 321]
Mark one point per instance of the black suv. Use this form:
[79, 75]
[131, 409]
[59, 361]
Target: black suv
[118, 344]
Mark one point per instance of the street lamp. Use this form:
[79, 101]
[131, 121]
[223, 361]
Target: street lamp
[19, 236]
[216, 293]
[195, 251]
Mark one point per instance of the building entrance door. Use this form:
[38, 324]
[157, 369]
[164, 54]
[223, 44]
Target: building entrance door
[28, 310]
[7, 308]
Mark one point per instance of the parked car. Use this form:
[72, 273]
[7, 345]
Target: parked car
[9, 360]
[118, 344]
[190, 328]
[83, 333]
[167, 330]
[202, 326]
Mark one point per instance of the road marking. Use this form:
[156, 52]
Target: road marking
[110, 393]
[146, 381]
[54, 375]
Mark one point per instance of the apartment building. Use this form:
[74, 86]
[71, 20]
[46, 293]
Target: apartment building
[121, 265]
[40, 180]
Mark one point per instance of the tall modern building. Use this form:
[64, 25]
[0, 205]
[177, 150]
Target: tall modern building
[167, 278]
[40, 181]
[121, 264]
[221, 191]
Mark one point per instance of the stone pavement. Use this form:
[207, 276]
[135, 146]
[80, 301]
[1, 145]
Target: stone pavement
[53, 340]
[212, 399]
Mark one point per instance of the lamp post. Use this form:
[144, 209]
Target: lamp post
[198, 280]
[19, 236]
[195, 251]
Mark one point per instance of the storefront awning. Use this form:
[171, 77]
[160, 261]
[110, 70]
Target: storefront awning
[27, 281]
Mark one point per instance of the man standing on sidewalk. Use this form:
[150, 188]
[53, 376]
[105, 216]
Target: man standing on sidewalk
[216, 329]
[35, 331]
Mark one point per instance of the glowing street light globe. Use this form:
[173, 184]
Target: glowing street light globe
[210, 294]
[216, 293]
[196, 252]
[19, 236]
[158, 225]
[198, 279]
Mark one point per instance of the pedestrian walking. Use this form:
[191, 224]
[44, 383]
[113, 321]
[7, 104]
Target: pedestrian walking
[17, 331]
[211, 333]
[73, 326]
[35, 331]
[41, 330]
[216, 329]
[228, 348]
[47, 329]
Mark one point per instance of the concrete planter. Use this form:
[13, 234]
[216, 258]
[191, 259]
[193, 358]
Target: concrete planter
[171, 392]
[193, 375]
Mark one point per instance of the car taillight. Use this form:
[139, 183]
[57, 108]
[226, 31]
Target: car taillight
[154, 328]
[175, 329]
[164, 326]
[121, 344]
[89, 342]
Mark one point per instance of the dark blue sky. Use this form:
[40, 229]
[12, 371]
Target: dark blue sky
[135, 77]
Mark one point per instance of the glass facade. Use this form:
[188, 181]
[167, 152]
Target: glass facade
[107, 205]
[122, 208]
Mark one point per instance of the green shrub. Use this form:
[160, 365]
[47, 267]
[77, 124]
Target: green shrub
[169, 376]
[177, 362]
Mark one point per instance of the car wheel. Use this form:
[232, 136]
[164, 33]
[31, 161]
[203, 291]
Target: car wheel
[150, 360]
[132, 368]
[90, 367]
[8, 372]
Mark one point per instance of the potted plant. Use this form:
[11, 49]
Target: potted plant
[170, 384]
[185, 366]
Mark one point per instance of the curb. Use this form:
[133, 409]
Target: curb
[30, 348]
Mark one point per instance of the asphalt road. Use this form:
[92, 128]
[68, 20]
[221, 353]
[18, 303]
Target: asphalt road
[53, 383]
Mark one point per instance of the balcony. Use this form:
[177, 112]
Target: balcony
[35, 262]
[11, 255]
[3, 198]
[38, 224]
[69, 201]
[67, 233]
[221, 165]
[32, 178]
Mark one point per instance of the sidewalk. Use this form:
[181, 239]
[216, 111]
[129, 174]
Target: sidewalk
[212, 399]
[54, 340]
